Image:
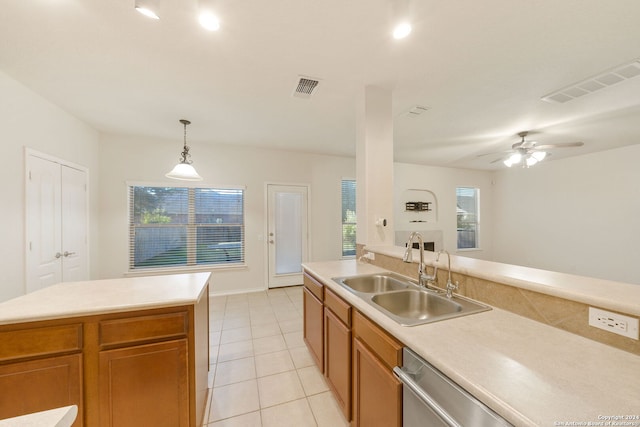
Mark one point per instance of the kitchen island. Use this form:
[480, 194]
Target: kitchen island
[528, 372]
[127, 352]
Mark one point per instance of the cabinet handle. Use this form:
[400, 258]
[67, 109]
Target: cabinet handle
[66, 253]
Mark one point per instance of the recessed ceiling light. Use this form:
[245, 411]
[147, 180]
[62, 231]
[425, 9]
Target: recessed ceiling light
[208, 20]
[402, 30]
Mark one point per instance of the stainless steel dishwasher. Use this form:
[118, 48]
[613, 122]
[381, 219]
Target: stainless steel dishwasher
[430, 399]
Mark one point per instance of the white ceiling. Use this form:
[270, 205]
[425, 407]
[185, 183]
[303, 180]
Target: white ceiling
[480, 66]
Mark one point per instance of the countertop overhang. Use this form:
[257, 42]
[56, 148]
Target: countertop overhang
[530, 373]
[74, 299]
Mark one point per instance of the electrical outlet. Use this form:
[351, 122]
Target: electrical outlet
[614, 322]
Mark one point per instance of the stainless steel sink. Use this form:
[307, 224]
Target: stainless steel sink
[373, 283]
[415, 306]
[405, 302]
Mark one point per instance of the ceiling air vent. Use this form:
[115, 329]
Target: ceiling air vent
[305, 87]
[595, 83]
[415, 111]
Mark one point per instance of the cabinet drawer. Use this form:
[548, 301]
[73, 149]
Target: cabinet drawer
[41, 341]
[315, 287]
[387, 348]
[143, 328]
[338, 306]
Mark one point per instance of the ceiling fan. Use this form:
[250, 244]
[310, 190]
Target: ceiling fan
[527, 153]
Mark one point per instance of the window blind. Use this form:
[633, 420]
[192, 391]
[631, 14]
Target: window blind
[181, 226]
[348, 217]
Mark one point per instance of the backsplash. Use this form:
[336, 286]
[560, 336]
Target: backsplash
[561, 313]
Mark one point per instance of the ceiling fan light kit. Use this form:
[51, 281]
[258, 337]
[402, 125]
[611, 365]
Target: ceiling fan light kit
[527, 153]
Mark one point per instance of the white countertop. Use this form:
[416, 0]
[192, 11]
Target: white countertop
[73, 299]
[530, 373]
[609, 294]
[59, 417]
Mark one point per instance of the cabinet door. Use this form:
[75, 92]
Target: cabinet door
[49, 383]
[338, 360]
[313, 327]
[377, 394]
[145, 385]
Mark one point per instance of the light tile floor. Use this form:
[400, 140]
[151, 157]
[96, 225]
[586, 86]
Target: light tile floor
[262, 372]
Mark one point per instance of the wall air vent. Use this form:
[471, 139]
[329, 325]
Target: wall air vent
[305, 87]
[595, 83]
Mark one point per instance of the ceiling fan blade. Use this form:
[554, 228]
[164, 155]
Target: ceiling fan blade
[500, 159]
[559, 145]
[493, 154]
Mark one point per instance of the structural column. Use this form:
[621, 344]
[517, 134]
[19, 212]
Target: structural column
[374, 167]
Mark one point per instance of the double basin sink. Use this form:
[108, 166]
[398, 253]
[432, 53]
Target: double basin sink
[406, 302]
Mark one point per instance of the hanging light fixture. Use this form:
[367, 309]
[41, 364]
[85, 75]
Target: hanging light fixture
[183, 170]
[148, 8]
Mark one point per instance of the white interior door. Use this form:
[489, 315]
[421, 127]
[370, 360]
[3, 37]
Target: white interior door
[44, 224]
[287, 233]
[74, 225]
[57, 219]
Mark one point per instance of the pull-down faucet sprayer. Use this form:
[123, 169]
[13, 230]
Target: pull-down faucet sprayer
[423, 279]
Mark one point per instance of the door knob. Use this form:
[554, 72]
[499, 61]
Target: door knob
[66, 253]
[58, 255]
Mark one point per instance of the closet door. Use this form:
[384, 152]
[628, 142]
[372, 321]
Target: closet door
[44, 224]
[56, 211]
[74, 224]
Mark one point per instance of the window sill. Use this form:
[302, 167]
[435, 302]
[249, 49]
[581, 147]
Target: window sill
[469, 250]
[181, 270]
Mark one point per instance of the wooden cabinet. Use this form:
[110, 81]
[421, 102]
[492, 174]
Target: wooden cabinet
[145, 385]
[337, 349]
[53, 382]
[40, 368]
[313, 329]
[356, 355]
[377, 393]
[137, 368]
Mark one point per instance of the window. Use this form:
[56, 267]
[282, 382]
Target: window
[180, 226]
[468, 204]
[348, 217]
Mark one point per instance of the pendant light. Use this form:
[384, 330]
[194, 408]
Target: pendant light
[183, 170]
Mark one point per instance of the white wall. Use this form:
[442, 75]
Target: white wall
[443, 182]
[577, 215]
[28, 120]
[141, 159]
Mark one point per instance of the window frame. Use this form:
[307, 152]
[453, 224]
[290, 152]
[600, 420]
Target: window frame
[191, 227]
[476, 223]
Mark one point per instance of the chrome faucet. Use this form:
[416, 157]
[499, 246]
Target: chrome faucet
[423, 278]
[450, 286]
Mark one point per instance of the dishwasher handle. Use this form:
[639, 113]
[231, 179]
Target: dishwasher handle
[424, 397]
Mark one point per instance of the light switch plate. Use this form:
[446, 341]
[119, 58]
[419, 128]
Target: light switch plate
[614, 322]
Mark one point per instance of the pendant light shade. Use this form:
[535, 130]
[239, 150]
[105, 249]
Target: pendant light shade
[184, 171]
